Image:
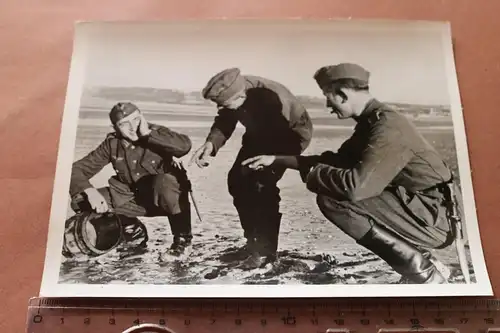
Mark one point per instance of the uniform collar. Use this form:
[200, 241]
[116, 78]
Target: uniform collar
[370, 107]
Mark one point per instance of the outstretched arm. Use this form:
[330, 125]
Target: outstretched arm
[385, 155]
[301, 163]
[223, 127]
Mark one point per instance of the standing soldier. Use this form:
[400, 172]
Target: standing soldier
[276, 123]
[385, 185]
[148, 181]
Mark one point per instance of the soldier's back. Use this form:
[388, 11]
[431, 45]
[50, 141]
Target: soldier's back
[425, 167]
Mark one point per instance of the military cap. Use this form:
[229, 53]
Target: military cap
[121, 110]
[329, 74]
[224, 85]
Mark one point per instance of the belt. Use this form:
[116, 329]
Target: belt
[439, 186]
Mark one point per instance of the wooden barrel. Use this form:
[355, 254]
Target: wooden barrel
[92, 234]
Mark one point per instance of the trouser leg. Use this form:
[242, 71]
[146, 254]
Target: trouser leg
[269, 221]
[257, 200]
[240, 187]
[171, 198]
[383, 226]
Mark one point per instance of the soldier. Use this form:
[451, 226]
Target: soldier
[275, 123]
[148, 181]
[384, 187]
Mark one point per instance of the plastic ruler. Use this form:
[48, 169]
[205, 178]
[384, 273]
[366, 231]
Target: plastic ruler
[245, 316]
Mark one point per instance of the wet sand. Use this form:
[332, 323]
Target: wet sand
[312, 250]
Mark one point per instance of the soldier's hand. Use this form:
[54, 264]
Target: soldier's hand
[143, 128]
[328, 157]
[96, 200]
[177, 163]
[201, 155]
[259, 162]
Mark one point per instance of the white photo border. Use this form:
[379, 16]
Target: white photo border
[51, 288]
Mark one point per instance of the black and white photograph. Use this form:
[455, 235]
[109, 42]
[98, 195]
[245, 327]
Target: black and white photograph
[259, 158]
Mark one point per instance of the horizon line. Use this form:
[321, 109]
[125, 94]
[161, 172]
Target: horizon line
[196, 91]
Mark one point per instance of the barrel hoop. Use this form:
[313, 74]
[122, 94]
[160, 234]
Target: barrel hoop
[93, 251]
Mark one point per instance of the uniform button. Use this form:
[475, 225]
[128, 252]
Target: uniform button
[153, 162]
[138, 174]
[134, 161]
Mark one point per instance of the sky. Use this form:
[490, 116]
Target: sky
[407, 61]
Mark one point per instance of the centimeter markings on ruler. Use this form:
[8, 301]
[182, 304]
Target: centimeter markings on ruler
[359, 315]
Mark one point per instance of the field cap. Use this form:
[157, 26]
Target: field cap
[224, 85]
[329, 74]
[121, 110]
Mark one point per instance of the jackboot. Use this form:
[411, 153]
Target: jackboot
[247, 221]
[269, 235]
[403, 257]
[180, 225]
[134, 231]
[264, 249]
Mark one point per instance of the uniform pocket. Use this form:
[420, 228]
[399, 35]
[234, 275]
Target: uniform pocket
[151, 162]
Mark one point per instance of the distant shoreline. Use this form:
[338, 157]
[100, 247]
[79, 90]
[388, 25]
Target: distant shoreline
[94, 122]
[181, 115]
[147, 95]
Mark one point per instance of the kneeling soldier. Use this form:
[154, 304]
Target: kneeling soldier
[385, 186]
[148, 181]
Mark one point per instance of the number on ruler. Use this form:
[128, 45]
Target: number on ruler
[162, 322]
[389, 321]
[112, 321]
[489, 321]
[439, 321]
[187, 322]
[263, 322]
[86, 321]
[415, 321]
[339, 322]
[314, 321]
[137, 321]
[61, 321]
[238, 322]
[37, 319]
[288, 320]
[365, 321]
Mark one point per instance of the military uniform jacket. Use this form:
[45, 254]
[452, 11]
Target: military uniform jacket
[274, 120]
[152, 155]
[385, 150]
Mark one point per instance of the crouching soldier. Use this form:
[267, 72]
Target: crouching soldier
[148, 180]
[385, 186]
[275, 123]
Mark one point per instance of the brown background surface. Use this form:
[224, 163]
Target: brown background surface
[35, 51]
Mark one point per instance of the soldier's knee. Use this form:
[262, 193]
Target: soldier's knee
[335, 210]
[326, 203]
[168, 193]
[344, 215]
[166, 182]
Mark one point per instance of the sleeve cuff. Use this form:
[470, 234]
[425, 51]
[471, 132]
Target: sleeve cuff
[311, 179]
[148, 138]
